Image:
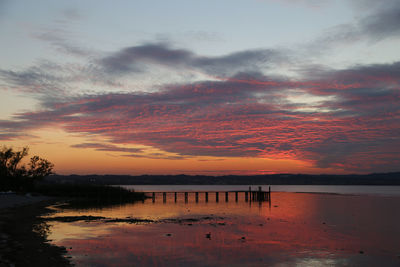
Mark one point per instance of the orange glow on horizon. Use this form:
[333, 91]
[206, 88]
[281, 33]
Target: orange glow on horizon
[56, 147]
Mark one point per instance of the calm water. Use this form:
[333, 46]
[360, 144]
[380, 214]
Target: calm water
[294, 229]
[335, 189]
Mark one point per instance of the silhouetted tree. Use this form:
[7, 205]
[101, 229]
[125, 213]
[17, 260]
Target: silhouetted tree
[14, 176]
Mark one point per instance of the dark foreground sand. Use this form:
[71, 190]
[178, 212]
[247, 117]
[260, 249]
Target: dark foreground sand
[23, 233]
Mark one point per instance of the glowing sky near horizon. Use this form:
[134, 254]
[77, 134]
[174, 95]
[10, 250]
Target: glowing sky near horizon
[203, 87]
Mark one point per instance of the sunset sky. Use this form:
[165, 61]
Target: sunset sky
[202, 87]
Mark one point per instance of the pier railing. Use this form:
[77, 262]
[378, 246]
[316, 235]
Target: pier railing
[250, 195]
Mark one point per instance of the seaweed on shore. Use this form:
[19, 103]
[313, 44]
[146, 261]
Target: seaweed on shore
[96, 218]
[130, 220]
[74, 218]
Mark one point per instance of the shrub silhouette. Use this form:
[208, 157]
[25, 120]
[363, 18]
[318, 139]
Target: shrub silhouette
[17, 177]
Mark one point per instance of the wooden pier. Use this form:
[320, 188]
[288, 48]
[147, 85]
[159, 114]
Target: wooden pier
[257, 195]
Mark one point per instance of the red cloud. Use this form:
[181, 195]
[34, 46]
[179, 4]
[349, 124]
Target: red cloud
[246, 116]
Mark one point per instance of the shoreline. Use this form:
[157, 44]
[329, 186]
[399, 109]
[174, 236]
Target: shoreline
[23, 234]
[23, 231]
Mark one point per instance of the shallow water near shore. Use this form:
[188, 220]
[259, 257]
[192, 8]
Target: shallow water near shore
[294, 229]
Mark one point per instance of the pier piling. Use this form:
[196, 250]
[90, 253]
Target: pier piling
[257, 195]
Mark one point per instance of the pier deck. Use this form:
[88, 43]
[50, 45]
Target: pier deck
[249, 195]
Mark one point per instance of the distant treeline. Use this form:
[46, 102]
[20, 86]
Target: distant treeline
[273, 179]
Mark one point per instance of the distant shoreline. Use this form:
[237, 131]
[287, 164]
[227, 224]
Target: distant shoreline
[272, 179]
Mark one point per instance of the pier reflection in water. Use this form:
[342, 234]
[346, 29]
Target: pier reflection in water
[292, 229]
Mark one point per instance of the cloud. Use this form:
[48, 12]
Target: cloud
[156, 156]
[380, 22]
[354, 115]
[50, 80]
[347, 119]
[9, 136]
[250, 60]
[370, 89]
[107, 147]
[381, 25]
[132, 59]
[60, 39]
[128, 59]
[133, 152]
[35, 79]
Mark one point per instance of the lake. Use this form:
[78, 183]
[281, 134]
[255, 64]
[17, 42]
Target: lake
[335, 189]
[349, 226]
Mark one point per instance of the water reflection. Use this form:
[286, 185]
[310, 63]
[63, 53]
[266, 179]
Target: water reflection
[293, 230]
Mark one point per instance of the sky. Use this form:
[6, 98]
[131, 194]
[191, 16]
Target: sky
[202, 87]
